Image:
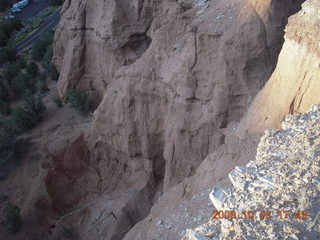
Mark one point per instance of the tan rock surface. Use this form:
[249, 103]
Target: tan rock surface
[175, 77]
[294, 85]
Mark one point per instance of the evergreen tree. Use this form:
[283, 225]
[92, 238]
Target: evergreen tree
[11, 71]
[43, 87]
[32, 69]
[7, 54]
[4, 93]
[4, 107]
[22, 63]
[21, 120]
[47, 58]
[40, 46]
[55, 2]
[34, 107]
[79, 100]
[21, 84]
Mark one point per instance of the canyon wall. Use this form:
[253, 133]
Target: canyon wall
[174, 79]
[164, 111]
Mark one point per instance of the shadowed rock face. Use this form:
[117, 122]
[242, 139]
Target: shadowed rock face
[172, 76]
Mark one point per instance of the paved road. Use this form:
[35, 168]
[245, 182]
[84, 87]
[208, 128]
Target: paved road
[49, 24]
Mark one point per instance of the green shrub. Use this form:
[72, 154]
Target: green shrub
[9, 25]
[21, 120]
[22, 83]
[79, 100]
[32, 69]
[25, 119]
[34, 107]
[36, 22]
[4, 107]
[47, 11]
[11, 71]
[55, 2]
[12, 218]
[6, 28]
[22, 63]
[20, 36]
[7, 54]
[43, 87]
[4, 93]
[40, 46]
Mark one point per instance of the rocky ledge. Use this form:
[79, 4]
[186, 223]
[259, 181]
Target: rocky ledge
[275, 196]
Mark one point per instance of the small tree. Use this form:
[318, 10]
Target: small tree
[21, 120]
[34, 107]
[79, 100]
[12, 218]
[25, 119]
[32, 69]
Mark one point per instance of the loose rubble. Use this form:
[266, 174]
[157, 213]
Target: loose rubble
[285, 176]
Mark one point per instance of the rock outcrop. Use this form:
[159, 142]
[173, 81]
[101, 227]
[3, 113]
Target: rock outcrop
[174, 79]
[164, 112]
[95, 38]
[275, 196]
[294, 85]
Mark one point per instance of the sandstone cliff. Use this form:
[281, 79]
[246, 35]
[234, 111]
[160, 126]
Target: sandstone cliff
[294, 85]
[174, 79]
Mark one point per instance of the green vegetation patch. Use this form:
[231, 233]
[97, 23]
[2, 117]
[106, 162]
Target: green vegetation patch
[12, 218]
[79, 100]
[47, 11]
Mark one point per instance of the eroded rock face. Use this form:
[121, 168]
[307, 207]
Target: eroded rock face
[95, 38]
[174, 75]
[201, 71]
[294, 85]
